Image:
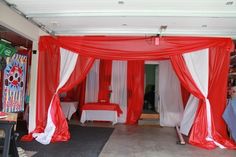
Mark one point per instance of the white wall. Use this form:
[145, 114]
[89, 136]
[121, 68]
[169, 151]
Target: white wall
[33, 88]
[18, 24]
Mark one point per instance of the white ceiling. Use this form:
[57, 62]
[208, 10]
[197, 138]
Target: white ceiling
[133, 17]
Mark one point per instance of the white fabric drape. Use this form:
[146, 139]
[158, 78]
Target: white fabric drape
[68, 61]
[198, 66]
[189, 115]
[171, 105]
[197, 63]
[119, 87]
[92, 83]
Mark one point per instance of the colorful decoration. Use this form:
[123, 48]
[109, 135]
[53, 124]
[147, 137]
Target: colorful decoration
[14, 84]
[6, 50]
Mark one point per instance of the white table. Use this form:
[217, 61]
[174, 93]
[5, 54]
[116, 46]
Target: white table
[99, 115]
[69, 108]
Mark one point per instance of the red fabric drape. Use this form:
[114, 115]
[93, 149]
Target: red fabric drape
[184, 76]
[105, 69]
[48, 72]
[185, 95]
[123, 48]
[81, 70]
[218, 73]
[72, 95]
[135, 48]
[77, 94]
[135, 90]
[199, 130]
[48, 81]
[198, 134]
[219, 68]
[81, 92]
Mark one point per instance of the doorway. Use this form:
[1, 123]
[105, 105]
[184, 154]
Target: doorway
[151, 99]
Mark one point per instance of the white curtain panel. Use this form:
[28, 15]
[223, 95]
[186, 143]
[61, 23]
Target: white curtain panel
[197, 63]
[119, 87]
[171, 105]
[189, 115]
[68, 61]
[198, 66]
[92, 83]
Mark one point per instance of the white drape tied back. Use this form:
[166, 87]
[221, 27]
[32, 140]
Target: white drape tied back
[198, 66]
[68, 61]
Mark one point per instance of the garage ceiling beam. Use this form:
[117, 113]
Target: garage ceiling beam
[42, 27]
[142, 32]
[141, 13]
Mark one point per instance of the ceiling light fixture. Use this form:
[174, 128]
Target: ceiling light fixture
[162, 29]
[124, 24]
[156, 40]
[204, 26]
[229, 3]
[54, 24]
[121, 2]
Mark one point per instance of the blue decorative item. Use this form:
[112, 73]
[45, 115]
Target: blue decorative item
[14, 84]
[229, 116]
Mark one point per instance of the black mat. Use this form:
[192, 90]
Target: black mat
[84, 142]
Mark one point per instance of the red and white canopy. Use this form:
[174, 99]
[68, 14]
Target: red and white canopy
[201, 64]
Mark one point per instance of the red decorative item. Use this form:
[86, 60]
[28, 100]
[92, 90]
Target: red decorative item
[103, 106]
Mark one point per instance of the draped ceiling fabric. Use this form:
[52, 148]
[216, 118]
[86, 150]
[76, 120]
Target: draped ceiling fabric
[137, 48]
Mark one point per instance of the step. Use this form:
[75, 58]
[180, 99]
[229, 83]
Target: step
[149, 119]
[149, 116]
[149, 122]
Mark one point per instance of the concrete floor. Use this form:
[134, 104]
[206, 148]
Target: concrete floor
[153, 141]
[148, 141]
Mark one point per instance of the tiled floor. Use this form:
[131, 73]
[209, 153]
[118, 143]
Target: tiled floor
[153, 141]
